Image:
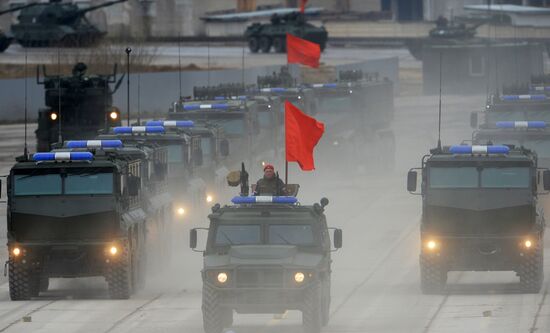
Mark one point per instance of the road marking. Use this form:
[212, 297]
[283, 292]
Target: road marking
[136, 310]
[537, 315]
[27, 315]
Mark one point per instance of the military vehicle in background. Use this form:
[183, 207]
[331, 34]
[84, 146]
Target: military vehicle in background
[266, 255]
[540, 84]
[79, 105]
[479, 213]
[263, 36]
[57, 23]
[7, 38]
[88, 209]
[459, 31]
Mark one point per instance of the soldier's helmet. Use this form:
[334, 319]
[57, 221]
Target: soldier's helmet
[80, 69]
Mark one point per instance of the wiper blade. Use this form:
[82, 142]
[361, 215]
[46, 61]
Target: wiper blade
[283, 239]
[226, 237]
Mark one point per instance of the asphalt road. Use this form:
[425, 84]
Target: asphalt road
[376, 275]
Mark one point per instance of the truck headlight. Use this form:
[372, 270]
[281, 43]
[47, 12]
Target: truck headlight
[222, 277]
[299, 277]
[16, 251]
[113, 250]
[180, 211]
[209, 198]
[113, 115]
[53, 116]
[528, 244]
[431, 245]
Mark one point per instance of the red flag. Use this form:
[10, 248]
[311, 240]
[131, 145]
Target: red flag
[303, 6]
[302, 133]
[301, 51]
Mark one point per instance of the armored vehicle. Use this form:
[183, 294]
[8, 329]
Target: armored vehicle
[512, 108]
[456, 32]
[284, 86]
[79, 104]
[79, 211]
[540, 84]
[7, 38]
[261, 37]
[57, 23]
[238, 119]
[267, 255]
[479, 213]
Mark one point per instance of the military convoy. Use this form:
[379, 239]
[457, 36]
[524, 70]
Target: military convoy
[479, 213]
[77, 106]
[266, 255]
[263, 36]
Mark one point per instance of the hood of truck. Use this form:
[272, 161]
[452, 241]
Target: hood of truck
[263, 255]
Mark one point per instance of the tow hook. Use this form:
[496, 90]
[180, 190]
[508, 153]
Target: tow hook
[6, 268]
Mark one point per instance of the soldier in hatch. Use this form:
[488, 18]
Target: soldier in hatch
[270, 184]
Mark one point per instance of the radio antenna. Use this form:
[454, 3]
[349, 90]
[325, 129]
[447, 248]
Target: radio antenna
[25, 149]
[440, 84]
[128, 51]
[242, 70]
[139, 99]
[59, 117]
[179, 63]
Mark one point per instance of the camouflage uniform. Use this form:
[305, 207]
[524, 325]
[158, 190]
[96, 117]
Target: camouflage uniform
[266, 186]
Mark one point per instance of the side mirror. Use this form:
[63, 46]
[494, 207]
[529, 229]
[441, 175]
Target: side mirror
[338, 238]
[193, 238]
[324, 202]
[545, 180]
[473, 119]
[411, 181]
[224, 147]
[197, 157]
[134, 184]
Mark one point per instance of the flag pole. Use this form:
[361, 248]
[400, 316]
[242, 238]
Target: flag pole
[286, 171]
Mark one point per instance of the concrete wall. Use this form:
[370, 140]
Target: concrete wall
[471, 69]
[159, 90]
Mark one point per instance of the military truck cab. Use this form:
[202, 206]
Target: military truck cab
[479, 213]
[267, 255]
[77, 213]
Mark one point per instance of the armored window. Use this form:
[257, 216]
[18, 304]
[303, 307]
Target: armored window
[453, 177]
[89, 183]
[290, 234]
[175, 154]
[245, 234]
[234, 126]
[38, 183]
[513, 177]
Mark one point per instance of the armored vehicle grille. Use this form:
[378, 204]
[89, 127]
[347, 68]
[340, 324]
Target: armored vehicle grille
[260, 278]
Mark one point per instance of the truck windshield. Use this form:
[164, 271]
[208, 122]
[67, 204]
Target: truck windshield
[472, 177]
[301, 234]
[245, 234]
[175, 154]
[233, 126]
[39, 183]
[89, 183]
[514, 115]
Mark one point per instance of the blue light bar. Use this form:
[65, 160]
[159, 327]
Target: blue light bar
[63, 156]
[325, 85]
[275, 90]
[264, 199]
[138, 129]
[523, 97]
[471, 150]
[540, 88]
[171, 123]
[521, 124]
[194, 107]
[233, 98]
[94, 144]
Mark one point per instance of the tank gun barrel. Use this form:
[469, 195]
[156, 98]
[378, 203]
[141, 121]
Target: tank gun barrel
[105, 4]
[14, 9]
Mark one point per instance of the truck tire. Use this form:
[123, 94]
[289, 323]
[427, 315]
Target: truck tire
[279, 45]
[21, 282]
[265, 44]
[119, 276]
[531, 271]
[212, 314]
[433, 276]
[253, 44]
[311, 310]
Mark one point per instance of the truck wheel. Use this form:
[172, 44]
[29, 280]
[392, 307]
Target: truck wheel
[212, 314]
[433, 276]
[265, 44]
[279, 45]
[119, 276]
[311, 311]
[227, 317]
[326, 302]
[20, 282]
[531, 271]
[253, 44]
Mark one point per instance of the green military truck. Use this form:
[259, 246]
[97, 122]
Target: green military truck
[479, 213]
[267, 255]
[76, 212]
